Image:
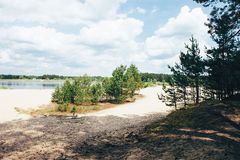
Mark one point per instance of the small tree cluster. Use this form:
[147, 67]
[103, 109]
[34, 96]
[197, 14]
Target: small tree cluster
[123, 83]
[80, 91]
[84, 90]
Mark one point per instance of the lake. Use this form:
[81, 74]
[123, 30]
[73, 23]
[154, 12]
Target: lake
[30, 84]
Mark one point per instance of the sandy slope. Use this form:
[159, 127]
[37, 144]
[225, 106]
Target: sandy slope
[148, 105]
[22, 98]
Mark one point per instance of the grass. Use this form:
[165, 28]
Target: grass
[149, 84]
[52, 109]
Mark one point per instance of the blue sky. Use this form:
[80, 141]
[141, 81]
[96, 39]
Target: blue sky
[73, 37]
[157, 11]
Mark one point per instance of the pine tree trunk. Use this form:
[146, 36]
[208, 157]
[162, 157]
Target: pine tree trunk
[197, 91]
[184, 97]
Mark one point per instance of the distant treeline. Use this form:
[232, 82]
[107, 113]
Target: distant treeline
[45, 77]
[147, 77]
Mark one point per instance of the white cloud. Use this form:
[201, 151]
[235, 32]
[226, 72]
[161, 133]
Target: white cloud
[58, 11]
[109, 32]
[104, 43]
[5, 56]
[32, 43]
[137, 10]
[169, 39]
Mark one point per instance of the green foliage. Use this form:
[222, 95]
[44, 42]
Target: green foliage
[96, 93]
[74, 110]
[133, 80]
[222, 63]
[190, 69]
[67, 91]
[152, 77]
[172, 96]
[58, 96]
[106, 84]
[85, 90]
[118, 84]
[82, 90]
[123, 83]
[148, 84]
[62, 107]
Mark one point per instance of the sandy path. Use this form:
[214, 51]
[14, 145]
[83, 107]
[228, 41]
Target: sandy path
[22, 98]
[150, 104]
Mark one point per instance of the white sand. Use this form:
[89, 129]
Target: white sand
[21, 98]
[150, 104]
[33, 98]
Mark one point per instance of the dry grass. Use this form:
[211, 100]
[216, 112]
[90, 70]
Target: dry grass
[52, 108]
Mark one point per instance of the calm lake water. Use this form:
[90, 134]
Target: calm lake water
[30, 84]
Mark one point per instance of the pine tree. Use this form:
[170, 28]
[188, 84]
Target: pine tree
[181, 80]
[190, 69]
[223, 59]
[133, 79]
[117, 85]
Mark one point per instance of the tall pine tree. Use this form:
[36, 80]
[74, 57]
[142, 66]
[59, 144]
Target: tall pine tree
[190, 69]
[222, 62]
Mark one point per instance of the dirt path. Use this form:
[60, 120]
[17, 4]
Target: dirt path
[149, 104]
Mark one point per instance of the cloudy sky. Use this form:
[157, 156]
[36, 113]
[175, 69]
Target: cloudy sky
[73, 37]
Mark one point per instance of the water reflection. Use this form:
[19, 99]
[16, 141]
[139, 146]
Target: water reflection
[30, 84]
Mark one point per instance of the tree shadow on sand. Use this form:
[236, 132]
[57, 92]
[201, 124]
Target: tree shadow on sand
[197, 133]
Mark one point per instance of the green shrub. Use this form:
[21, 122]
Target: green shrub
[123, 83]
[74, 110]
[58, 96]
[96, 93]
[68, 93]
[62, 107]
[82, 87]
[85, 90]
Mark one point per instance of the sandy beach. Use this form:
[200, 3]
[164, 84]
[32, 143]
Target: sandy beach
[21, 98]
[33, 98]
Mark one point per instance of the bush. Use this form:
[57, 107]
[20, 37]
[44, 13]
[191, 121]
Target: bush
[58, 96]
[74, 110]
[82, 87]
[85, 90]
[63, 94]
[124, 83]
[96, 93]
[62, 107]
[67, 91]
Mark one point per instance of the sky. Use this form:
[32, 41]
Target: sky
[76, 37]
